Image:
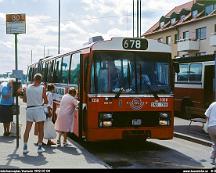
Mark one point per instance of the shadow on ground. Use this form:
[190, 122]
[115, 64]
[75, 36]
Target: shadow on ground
[29, 160]
[7, 140]
[193, 130]
[141, 154]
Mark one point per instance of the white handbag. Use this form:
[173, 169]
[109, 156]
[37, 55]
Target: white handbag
[49, 129]
[205, 127]
[13, 129]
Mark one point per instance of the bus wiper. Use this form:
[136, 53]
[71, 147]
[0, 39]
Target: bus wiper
[117, 95]
[152, 91]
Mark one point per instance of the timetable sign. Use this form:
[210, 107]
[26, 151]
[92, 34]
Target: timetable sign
[15, 23]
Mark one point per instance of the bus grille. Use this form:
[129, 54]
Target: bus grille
[124, 119]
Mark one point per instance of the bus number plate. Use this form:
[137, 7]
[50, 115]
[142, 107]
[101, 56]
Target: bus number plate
[159, 104]
[135, 44]
[136, 122]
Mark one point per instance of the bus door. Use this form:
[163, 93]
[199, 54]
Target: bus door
[80, 117]
[84, 64]
[208, 85]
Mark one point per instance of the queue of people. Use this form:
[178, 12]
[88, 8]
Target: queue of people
[36, 97]
[39, 100]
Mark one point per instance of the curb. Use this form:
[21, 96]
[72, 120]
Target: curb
[192, 139]
[90, 154]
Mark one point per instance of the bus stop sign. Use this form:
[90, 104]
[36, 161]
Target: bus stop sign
[15, 23]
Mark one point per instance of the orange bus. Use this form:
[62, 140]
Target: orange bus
[125, 88]
[194, 84]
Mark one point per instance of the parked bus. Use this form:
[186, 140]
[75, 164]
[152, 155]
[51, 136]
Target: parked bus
[194, 84]
[125, 88]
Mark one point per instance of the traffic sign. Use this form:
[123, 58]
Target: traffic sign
[17, 74]
[15, 23]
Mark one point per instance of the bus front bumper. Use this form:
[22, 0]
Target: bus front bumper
[163, 133]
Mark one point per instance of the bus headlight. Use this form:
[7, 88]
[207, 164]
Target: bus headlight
[164, 119]
[105, 120]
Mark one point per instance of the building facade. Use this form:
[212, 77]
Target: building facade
[190, 29]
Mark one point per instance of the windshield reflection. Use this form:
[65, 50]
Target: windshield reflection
[135, 73]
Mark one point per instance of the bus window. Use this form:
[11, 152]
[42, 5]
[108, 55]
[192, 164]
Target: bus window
[183, 74]
[75, 70]
[58, 76]
[44, 71]
[195, 72]
[49, 70]
[65, 69]
[134, 72]
[162, 70]
[30, 74]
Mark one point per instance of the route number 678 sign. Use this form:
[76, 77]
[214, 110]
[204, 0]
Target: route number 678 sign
[135, 44]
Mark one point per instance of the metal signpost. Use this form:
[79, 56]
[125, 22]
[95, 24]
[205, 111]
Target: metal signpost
[214, 80]
[137, 10]
[16, 24]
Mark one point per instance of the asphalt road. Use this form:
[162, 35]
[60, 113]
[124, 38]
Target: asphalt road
[176, 153]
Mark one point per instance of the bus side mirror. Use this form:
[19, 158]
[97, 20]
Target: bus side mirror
[176, 67]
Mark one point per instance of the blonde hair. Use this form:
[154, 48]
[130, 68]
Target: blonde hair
[72, 90]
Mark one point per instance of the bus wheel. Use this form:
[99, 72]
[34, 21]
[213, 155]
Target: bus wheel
[185, 103]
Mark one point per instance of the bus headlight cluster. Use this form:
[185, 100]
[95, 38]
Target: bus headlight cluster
[164, 119]
[105, 120]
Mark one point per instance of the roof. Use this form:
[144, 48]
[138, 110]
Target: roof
[115, 44]
[202, 58]
[187, 6]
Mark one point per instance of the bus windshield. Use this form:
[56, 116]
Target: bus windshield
[134, 72]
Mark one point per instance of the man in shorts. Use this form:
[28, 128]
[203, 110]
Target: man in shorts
[35, 96]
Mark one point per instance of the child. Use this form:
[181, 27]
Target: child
[49, 93]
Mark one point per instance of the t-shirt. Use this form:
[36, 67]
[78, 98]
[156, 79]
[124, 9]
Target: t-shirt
[34, 95]
[50, 99]
[6, 90]
[211, 114]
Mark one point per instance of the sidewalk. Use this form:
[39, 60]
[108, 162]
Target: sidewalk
[193, 133]
[74, 156]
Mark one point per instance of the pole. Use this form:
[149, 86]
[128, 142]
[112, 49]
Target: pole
[44, 51]
[140, 17]
[214, 80]
[133, 18]
[137, 18]
[17, 101]
[31, 56]
[59, 28]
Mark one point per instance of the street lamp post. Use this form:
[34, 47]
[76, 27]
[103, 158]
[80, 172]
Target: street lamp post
[138, 11]
[59, 28]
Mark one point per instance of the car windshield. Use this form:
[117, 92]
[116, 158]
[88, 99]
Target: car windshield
[134, 72]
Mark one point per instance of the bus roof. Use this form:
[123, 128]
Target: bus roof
[202, 58]
[114, 44]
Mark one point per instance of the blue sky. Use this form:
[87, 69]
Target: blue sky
[81, 19]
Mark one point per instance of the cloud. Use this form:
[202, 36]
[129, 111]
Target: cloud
[80, 20]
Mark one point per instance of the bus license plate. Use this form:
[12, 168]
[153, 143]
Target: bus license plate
[136, 122]
[159, 104]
